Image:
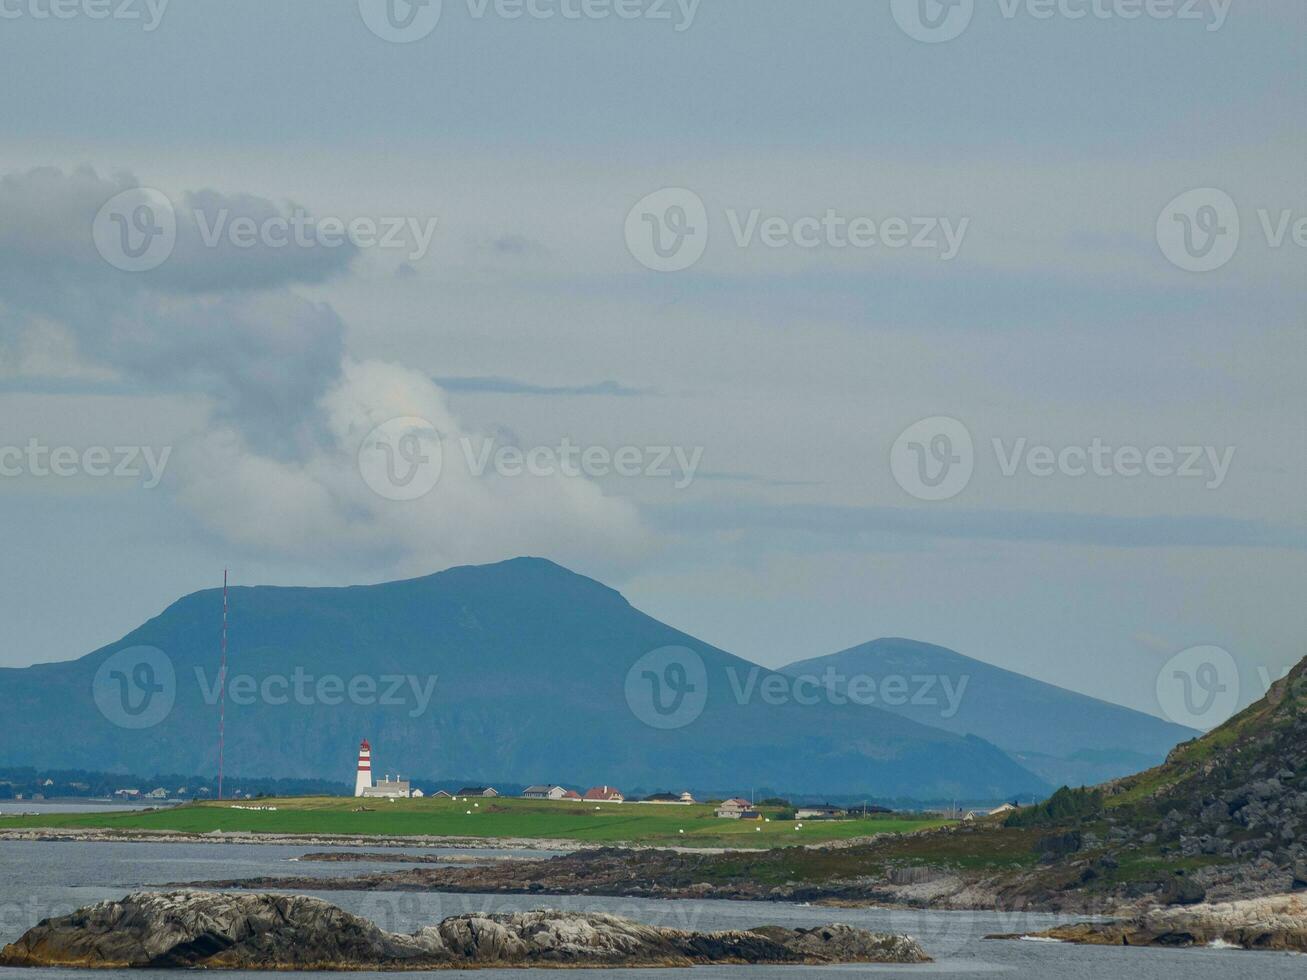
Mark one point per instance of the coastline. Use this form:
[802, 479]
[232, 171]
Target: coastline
[556, 845]
[104, 835]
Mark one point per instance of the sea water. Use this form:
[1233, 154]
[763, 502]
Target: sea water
[44, 878]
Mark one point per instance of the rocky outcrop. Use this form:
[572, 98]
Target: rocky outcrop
[281, 932]
[1278, 922]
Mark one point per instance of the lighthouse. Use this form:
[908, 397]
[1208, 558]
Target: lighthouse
[363, 778]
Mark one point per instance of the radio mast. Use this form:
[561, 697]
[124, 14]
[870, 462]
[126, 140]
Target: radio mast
[222, 685]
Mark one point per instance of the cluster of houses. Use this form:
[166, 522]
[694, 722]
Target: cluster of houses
[549, 791]
[160, 793]
[732, 809]
[738, 809]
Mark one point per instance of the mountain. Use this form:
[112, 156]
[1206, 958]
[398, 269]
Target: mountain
[521, 671]
[1064, 737]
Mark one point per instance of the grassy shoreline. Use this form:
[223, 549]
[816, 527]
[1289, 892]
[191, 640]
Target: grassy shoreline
[489, 820]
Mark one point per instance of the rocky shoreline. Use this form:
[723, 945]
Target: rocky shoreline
[187, 930]
[399, 857]
[1277, 922]
[94, 835]
[621, 873]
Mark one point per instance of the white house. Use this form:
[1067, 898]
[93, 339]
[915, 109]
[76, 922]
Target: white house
[823, 811]
[737, 809]
[394, 789]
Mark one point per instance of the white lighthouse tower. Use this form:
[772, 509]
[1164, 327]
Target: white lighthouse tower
[363, 778]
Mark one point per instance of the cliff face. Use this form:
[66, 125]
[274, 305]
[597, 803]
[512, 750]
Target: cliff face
[278, 932]
[1238, 795]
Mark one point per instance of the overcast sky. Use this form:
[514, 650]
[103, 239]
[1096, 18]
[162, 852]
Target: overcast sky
[1031, 160]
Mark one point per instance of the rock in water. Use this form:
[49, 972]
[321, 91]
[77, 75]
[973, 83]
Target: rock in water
[1278, 922]
[285, 932]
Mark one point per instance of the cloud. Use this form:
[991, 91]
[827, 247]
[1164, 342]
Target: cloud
[275, 471]
[319, 507]
[518, 246]
[511, 386]
[46, 217]
[1163, 531]
[209, 321]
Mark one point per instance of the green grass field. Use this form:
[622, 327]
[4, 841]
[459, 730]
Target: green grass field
[693, 826]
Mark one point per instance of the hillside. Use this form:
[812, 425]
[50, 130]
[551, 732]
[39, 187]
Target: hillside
[1235, 793]
[1065, 737]
[515, 672]
[1219, 821]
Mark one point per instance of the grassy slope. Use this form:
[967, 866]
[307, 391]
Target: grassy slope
[502, 818]
[1194, 770]
[1259, 722]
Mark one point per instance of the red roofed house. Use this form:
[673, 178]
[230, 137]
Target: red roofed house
[571, 794]
[604, 794]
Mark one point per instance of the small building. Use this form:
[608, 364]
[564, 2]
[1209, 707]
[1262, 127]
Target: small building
[663, 799]
[687, 797]
[821, 811]
[998, 811]
[418, 794]
[159, 793]
[477, 791]
[441, 794]
[544, 793]
[393, 789]
[571, 796]
[734, 809]
[604, 794]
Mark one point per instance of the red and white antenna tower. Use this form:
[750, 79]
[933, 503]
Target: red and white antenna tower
[222, 685]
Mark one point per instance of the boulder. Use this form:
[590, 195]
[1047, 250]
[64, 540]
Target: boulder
[283, 932]
[1277, 922]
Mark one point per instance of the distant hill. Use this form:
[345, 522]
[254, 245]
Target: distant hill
[533, 666]
[1065, 737]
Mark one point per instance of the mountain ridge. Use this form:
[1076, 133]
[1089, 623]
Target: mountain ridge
[1062, 735]
[530, 669]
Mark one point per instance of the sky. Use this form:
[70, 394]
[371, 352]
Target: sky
[801, 324]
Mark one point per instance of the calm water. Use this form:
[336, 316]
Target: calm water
[70, 806]
[38, 879]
